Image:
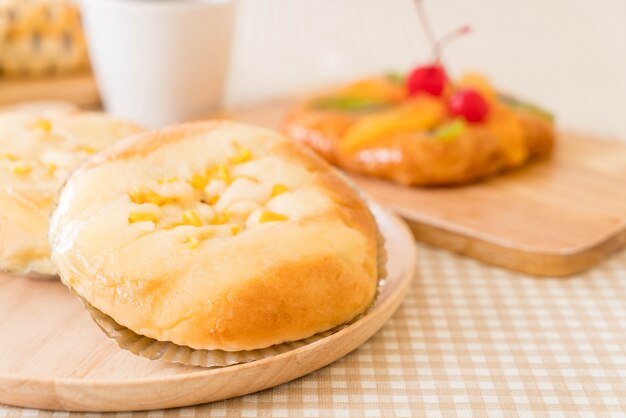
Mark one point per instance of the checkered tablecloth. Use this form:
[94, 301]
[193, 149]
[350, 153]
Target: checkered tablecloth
[469, 340]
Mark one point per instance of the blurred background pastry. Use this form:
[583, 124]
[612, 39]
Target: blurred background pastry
[38, 151]
[41, 38]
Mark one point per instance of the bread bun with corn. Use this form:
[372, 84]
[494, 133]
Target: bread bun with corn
[38, 151]
[216, 235]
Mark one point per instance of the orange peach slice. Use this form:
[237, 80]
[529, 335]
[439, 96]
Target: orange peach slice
[417, 115]
[375, 89]
[480, 83]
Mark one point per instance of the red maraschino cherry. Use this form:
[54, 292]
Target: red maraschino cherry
[429, 79]
[432, 78]
[469, 104]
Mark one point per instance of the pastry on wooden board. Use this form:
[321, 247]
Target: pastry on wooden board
[41, 38]
[465, 132]
[425, 128]
[38, 151]
[216, 235]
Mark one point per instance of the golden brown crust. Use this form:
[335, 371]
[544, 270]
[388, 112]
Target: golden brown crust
[268, 284]
[319, 130]
[539, 134]
[350, 204]
[510, 138]
[425, 161]
[277, 303]
[142, 144]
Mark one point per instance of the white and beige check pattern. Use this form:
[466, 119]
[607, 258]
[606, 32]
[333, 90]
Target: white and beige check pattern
[469, 340]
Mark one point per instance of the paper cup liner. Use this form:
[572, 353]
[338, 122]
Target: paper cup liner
[153, 349]
[174, 353]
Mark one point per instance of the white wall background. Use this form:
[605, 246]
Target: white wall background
[567, 55]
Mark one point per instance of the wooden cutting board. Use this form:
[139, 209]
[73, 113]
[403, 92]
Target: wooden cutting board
[79, 89]
[552, 218]
[53, 356]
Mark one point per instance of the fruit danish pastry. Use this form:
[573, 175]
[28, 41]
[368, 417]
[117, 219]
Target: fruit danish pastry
[425, 130]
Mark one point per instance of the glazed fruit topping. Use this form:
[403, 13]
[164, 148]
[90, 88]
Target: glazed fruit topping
[349, 104]
[450, 131]
[430, 79]
[469, 104]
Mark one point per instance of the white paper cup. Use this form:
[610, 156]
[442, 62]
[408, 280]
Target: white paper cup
[158, 62]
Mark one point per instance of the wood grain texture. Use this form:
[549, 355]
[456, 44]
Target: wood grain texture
[79, 89]
[552, 218]
[53, 356]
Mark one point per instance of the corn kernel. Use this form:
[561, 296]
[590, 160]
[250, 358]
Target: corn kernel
[169, 180]
[190, 217]
[243, 155]
[142, 217]
[220, 172]
[52, 168]
[271, 217]
[21, 168]
[10, 157]
[86, 148]
[198, 181]
[206, 234]
[192, 242]
[235, 229]
[212, 200]
[142, 194]
[43, 124]
[223, 174]
[220, 219]
[278, 189]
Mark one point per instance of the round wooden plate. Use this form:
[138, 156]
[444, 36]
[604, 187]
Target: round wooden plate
[53, 356]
